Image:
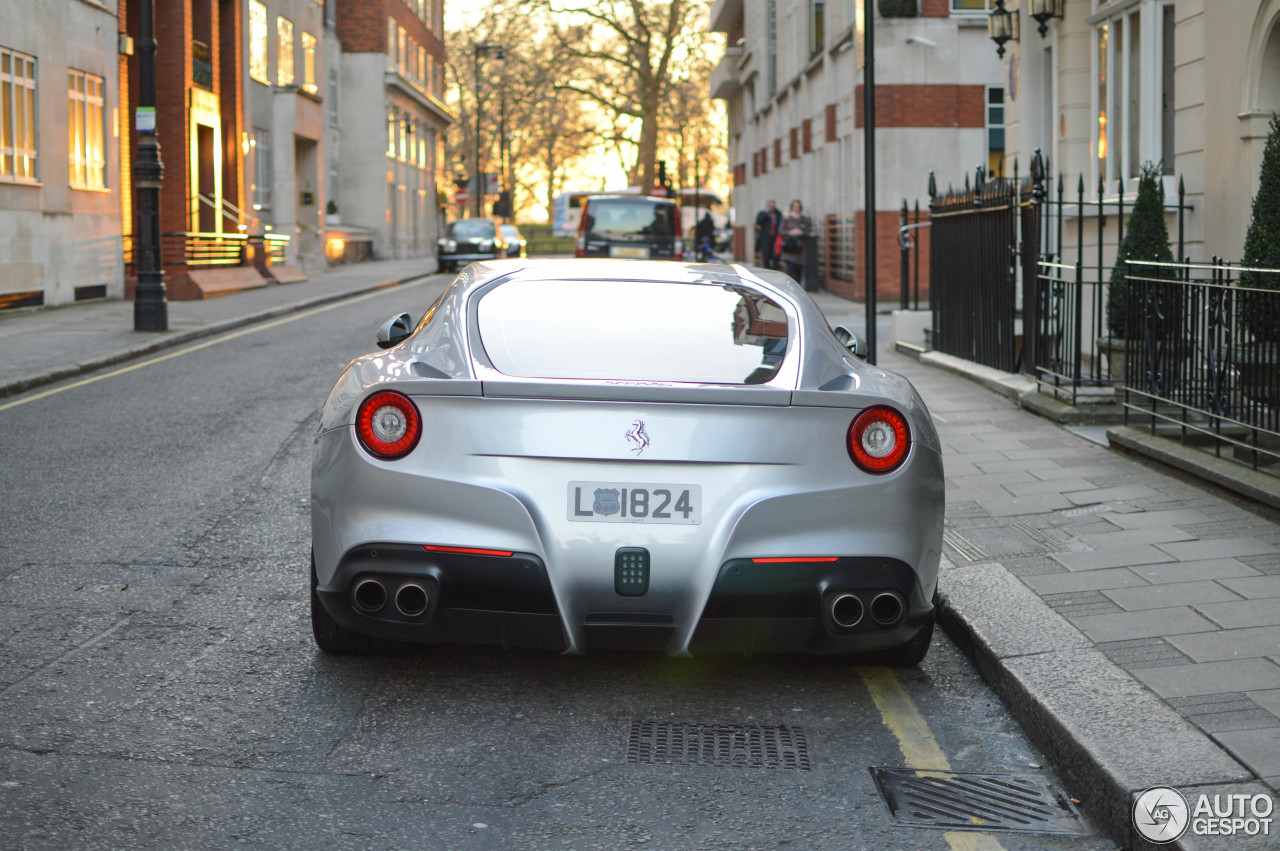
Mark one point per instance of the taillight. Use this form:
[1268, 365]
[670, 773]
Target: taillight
[580, 249]
[388, 425]
[678, 248]
[879, 439]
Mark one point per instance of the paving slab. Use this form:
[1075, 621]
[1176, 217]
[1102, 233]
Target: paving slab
[1187, 571]
[1120, 557]
[1258, 749]
[1085, 580]
[1254, 588]
[1148, 623]
[1230, 644]
[1243, 614]
[1211, 677]
[1217, 548]
[1168, 595]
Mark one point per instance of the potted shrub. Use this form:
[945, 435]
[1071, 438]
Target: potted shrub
[1146, 237]
[331, 213]
[1259, 311]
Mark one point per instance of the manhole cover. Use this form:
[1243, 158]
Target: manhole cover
[737, 746]
[1023, 803]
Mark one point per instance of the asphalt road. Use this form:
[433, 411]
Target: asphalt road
[159, 687]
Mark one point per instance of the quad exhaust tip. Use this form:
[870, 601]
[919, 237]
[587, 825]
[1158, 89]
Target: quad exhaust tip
[412, 600]
[887, 609]
[369, 596]
[846, 610]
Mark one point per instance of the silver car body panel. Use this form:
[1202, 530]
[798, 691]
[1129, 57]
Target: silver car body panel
[497, 455]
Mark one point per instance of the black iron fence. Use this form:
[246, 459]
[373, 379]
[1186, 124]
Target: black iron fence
[1019, 270]
[973, 282]
[1202, 356]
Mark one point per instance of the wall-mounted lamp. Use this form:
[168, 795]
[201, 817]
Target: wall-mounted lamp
[1002, 26]
[1043, 11]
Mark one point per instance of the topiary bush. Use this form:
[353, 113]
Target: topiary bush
[1146, 237]
[1262, 247]
[897, 8]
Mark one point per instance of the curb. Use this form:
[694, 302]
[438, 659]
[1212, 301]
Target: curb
[15, 386]
[1107, 736]
[1259, 487]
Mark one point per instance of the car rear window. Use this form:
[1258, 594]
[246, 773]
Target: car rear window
[471, 230]
[633, 330]
[630, 216]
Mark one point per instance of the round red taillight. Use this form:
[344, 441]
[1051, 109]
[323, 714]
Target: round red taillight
[388, 425]
[879, 439]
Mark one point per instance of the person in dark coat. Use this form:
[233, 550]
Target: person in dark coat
[768, 224]
[795, 227]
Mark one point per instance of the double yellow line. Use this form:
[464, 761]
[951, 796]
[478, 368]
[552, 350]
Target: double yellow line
[919, 746]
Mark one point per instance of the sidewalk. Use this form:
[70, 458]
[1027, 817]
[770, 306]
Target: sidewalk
[1129, 620]
[42, 345]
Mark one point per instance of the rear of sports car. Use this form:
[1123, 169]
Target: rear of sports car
[653, 477]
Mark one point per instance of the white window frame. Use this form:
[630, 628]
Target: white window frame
[1147, 131]
[260, 143]
[86, 95]
[18, 91]
[259, 64]
[958, 8]
[310, 71]
[284, 60]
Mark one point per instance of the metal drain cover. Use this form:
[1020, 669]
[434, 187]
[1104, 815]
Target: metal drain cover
[1005, 803]
[736, 746]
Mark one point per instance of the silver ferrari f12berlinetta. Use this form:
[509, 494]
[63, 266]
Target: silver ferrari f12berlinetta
[618, 454]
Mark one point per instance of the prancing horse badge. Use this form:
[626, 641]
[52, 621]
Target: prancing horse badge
[638, 437]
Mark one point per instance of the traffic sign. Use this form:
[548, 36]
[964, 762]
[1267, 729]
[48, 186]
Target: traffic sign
[461, 196]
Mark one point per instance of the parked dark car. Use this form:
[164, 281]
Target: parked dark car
[468, 240]
[635, 227]
[517, 246]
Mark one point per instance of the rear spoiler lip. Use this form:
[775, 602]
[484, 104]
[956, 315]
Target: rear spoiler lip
[639, 391]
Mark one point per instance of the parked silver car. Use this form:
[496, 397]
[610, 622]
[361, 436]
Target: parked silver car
[620, 454]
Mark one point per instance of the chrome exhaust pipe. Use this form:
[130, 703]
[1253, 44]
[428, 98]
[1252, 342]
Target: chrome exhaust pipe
[412, 600]
[846, 610]
[369, 596]
[887, 609]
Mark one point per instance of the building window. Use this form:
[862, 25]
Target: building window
[260, 142]
[309, 63]
[258, 42]
[402, 50]
[772, 36]
[391, 134]
[86, 131]
[969, 7]
[333, 97]
[284, 62]
[422, 65]
[17, 116]
[995, 130]
[391, 43]
[818, 27]
[1133, 100]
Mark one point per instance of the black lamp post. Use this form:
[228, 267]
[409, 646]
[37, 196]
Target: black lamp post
[478, 49]
[1002, 26]
[150, 311]
[1043, 11]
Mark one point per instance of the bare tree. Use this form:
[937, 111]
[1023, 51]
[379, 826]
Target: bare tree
[631, 50]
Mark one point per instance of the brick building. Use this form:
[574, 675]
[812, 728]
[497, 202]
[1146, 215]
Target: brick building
[391, 124]
[792, 85]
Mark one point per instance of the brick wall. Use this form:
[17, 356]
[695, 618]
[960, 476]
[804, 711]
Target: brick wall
[941, 105]
[888, 262]
[935, 8]
[362, 26]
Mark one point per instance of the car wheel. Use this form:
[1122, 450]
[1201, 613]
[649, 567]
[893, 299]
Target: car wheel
[331, 637]
[904, 655]
[445, 269]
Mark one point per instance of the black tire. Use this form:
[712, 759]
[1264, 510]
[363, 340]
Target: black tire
[904, 655]
[333, 638]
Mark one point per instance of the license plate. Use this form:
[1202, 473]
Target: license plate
[631, 252]
[634, 502]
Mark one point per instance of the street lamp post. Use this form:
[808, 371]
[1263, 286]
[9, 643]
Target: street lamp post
[869, 169]
[150, 311]
[478, 49]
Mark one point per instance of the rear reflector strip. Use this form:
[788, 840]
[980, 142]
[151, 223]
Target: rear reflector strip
[789, 560]
[470, 551]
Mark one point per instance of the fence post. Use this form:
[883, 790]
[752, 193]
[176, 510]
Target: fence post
[904, 252]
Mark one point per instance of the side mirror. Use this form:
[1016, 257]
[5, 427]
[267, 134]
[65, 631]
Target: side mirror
[851, 341]
[394, 331]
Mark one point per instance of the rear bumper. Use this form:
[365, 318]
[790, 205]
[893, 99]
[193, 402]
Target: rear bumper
[509, 602]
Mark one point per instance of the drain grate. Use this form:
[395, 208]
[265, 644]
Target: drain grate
[1022, 803]
[736, 746]
[1037, 536]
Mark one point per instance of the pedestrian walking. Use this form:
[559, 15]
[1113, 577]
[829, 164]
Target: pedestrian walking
[795, 227]
[768, 224]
